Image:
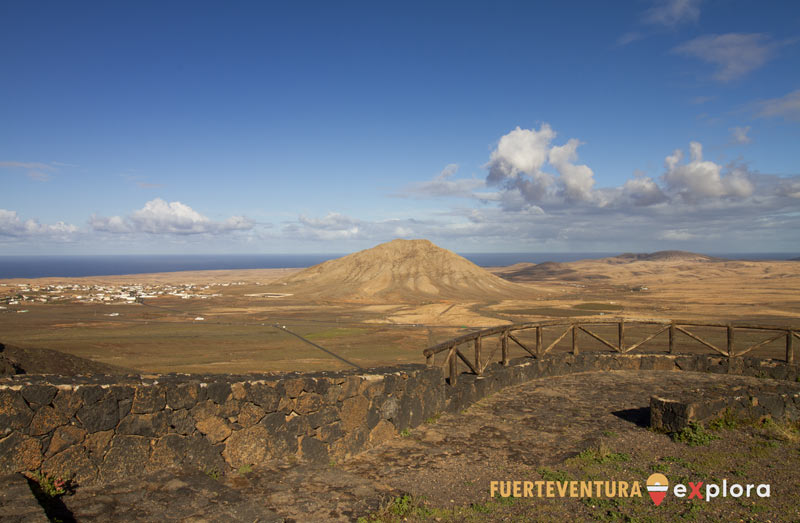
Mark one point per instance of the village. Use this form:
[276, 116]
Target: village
[23, 293]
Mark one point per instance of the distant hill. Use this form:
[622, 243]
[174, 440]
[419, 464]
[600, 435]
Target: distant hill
[401, 269]
[594, 269]
[544, 271]
[665, 256]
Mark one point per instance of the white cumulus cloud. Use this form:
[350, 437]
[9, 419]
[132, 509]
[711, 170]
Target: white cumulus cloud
[12, 225]
[158, 216]
[519, 158]
[518, 164]
[577, 180]
[643, 191]
[333, 226]
[698, 178]
[161, 217]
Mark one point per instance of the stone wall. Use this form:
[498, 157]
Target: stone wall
[776, 400]
[105, 428]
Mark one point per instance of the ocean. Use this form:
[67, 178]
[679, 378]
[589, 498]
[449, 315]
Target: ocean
[105, 265]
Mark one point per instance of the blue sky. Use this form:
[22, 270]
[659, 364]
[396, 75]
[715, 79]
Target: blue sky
[180, 127]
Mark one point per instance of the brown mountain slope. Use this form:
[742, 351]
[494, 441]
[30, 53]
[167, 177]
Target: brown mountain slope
[18, 360]
[408, 270]
[539, 272]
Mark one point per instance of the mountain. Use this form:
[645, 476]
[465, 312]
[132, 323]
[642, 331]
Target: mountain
[401, 270]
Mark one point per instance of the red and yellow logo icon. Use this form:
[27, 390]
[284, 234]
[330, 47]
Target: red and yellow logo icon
[657, 485]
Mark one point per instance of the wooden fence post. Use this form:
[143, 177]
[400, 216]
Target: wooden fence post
[672, 337]
[478, 355]
[504, 347]
[429, 360]
[789, 348]
[574, 339]
[730, 341]
[621, 332]
[539, 342]
[453, 368]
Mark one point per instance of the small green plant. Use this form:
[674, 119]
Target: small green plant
[405, 432]
[481, 508]
[400, 508]
[433, 419]
[245, 469]
[407, 506]
[51, 487]
[659, 467]
[213, 473]
[610, 434]
[504, 501]
[553, 475]
[694, 511]
[613, 457]
[727, 421]
[694, 435]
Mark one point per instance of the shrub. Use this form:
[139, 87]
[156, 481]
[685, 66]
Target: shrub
[51, 487]
[727, 420]
[694, 435]
[213, 473]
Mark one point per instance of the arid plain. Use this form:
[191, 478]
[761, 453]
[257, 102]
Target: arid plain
[376, 307]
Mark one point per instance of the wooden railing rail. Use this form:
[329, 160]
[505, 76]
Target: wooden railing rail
[478, 363]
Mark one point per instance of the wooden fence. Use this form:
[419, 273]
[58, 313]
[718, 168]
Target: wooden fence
[477, 363]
